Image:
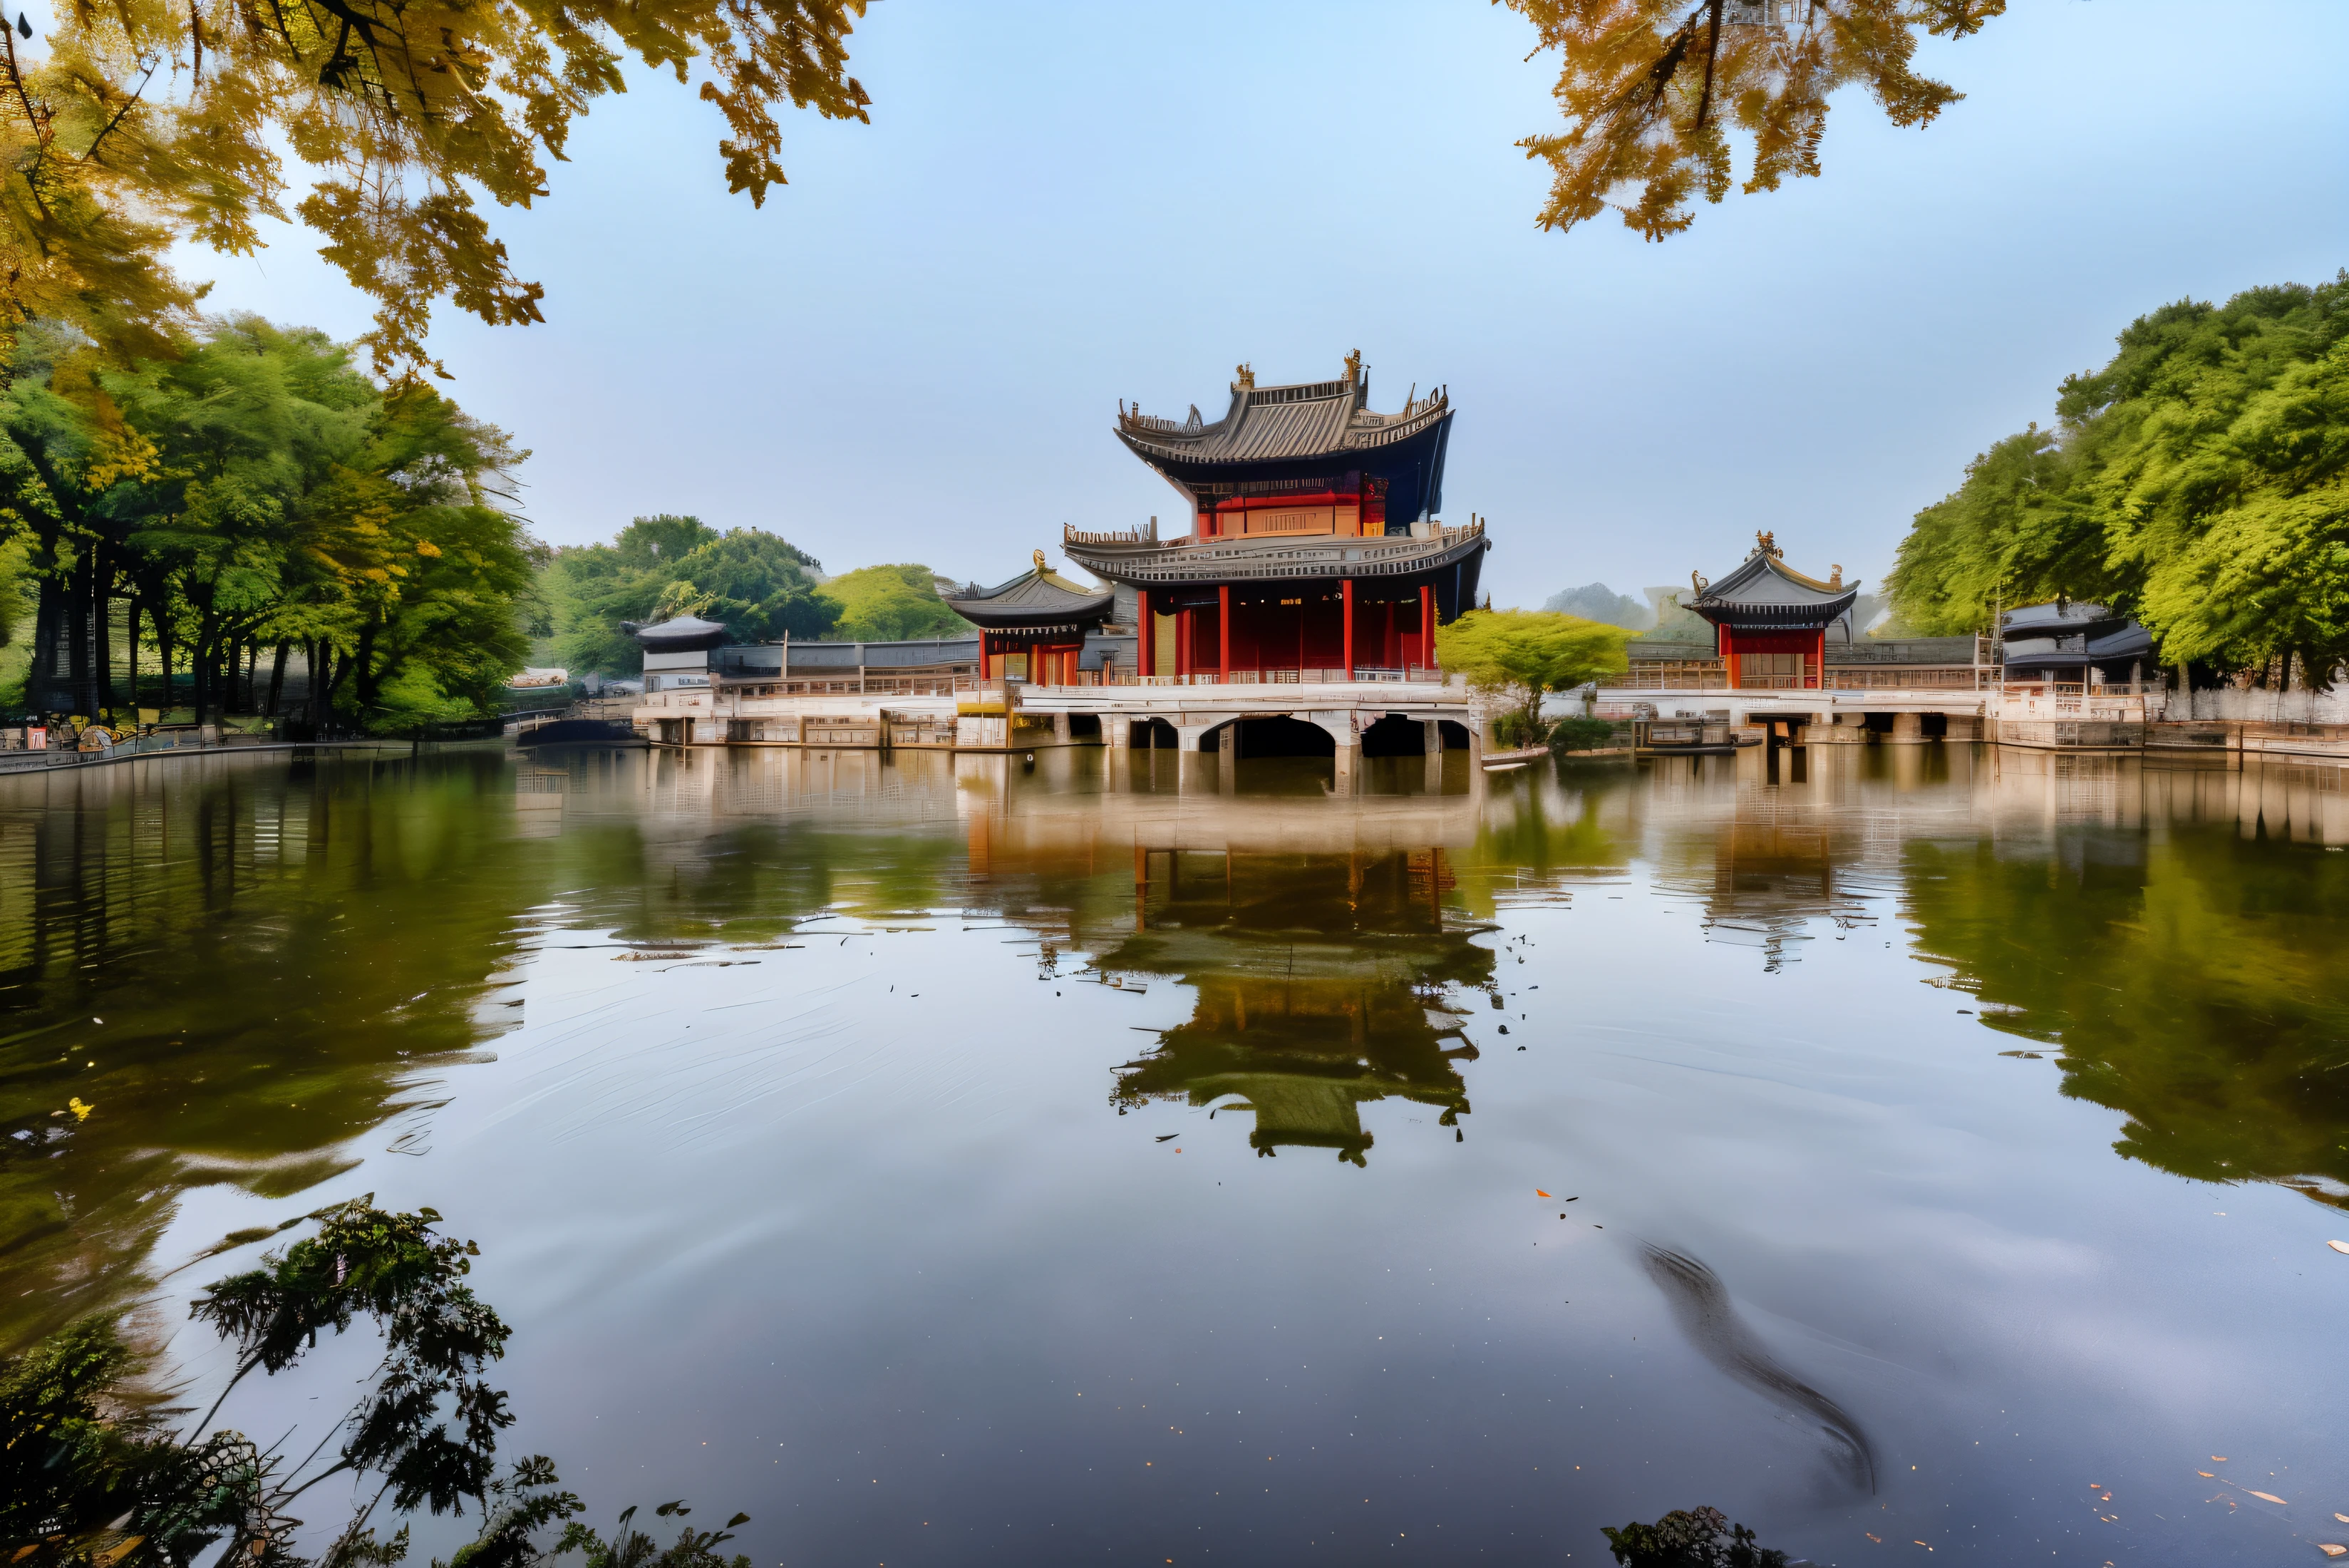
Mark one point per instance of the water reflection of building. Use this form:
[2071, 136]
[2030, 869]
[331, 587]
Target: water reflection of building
[1324, 982]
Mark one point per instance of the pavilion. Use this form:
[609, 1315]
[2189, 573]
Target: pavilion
[1034, 627]
[1311, 545]
[1771, 621]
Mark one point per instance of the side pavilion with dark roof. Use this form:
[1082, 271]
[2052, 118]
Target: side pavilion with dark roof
[1033, 627]
[1771, 621]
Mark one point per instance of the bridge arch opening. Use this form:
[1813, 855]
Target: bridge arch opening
[1279, 736]
[1395, 736]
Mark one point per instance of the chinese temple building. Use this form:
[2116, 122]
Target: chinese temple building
[1770, 621]
[1311, 542]
[1034, 627]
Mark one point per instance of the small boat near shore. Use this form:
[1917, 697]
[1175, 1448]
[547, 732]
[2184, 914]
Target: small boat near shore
[1502, 761]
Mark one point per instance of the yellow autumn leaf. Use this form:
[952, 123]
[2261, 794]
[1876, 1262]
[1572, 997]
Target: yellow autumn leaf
[2332, 1551]
[2269, 1497]
[80, 1108]
[427, 547]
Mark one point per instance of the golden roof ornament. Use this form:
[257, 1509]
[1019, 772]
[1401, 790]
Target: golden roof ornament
[1039, 563]
[1353, 366]
[1767, 543]
[1247, 382]
[1835, 576]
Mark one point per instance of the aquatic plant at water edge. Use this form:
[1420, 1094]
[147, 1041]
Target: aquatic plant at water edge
[1690, 1538]
[92, 1470]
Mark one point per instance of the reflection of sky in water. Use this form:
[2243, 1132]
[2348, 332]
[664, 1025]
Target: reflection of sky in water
[971, 1162]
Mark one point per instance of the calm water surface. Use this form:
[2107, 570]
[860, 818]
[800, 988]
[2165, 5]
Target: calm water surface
[967, 1162]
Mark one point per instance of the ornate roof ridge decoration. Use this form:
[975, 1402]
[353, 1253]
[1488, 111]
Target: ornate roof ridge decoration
[1764, 590]
[1298, 420]
[1035, 598]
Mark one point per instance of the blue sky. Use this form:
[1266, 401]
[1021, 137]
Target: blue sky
[915, 350]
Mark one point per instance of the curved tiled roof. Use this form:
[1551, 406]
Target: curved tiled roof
[1038, 597]
[680, 634]
[1310, 418]
[1765, 591]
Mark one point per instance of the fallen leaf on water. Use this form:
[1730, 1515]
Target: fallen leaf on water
[2206, 1475]
[81, 1112]
[1539, 1193]
[2218, 1458]
[2344, 1518]
[2269, 1497]
[2332, 1551]
[2338, 1246]
[1873, 1536]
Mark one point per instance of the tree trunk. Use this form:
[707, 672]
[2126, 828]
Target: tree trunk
[205, 662]
[101, 643]
[362, 660]
[130, 650]
[74, 604]
[277, 678]
[40, 680]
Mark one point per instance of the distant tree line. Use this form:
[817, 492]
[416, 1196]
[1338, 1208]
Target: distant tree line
[2199, 482]
[759, 586]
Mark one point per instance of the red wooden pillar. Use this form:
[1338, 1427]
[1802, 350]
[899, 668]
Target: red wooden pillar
[1427, 625]
[1726, 643]
[1182, 651]
[1145, 641]
[1224, 631]
[1346, 588]
[1816, 675]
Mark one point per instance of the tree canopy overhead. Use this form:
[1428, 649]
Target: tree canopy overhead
[2199, 481]
[146, 122]
[1651, 90]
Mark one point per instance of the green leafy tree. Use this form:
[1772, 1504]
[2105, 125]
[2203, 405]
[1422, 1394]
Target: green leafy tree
[758, 585]
[1690, 1538]
[595, 587]
[2199, 482]
[892, 604]
[1525, 655]
[91, 1475]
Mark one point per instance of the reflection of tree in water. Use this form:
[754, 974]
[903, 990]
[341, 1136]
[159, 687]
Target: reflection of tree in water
[286, 958]
[2199, 985]
[1323, 982]
[282, 958]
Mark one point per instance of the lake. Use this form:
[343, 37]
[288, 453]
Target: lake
[950, 1160]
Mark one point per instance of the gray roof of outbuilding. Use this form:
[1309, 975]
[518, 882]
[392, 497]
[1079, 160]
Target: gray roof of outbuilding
[1311, 419]
[2070, 615]
[678, 634]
